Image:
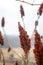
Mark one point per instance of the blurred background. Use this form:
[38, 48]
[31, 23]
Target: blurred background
[10, 10]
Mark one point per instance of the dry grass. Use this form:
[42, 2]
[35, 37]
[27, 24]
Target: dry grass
[16, 58]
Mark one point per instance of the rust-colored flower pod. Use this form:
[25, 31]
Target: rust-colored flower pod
[24, 39]
[22, 11]
[38, 50]
[3, 22]
[9, 49]
[1, 39]
[40, 9]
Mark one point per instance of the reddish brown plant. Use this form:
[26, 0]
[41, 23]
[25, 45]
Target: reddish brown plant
[24, 39]
[40, 10]
[3, 22]
[1, 39]
[38, 50]
[9, 49]
[22, 11]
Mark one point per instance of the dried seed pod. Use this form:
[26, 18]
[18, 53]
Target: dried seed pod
[3, 22]
[40, 10]
[24, 39]
[22, 11]
[9, 49]
[38, 51]
[1, 39]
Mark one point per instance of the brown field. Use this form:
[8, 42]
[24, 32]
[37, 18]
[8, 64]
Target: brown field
[14, 58]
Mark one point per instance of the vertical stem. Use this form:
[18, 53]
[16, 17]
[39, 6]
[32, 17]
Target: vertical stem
[6, 37]
[23, 22]
[35, 26]
[38, 17]
[26, 59]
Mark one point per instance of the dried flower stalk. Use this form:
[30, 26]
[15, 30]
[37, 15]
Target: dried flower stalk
[25, 42]
[38, 50]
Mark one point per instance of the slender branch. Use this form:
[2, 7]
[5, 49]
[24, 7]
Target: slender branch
[27, 2]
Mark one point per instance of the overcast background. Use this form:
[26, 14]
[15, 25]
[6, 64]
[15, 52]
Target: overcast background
[10, 9]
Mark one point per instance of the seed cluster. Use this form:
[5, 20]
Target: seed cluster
[24, 39]
[40, 10]
[22, 11]
[38, 50]
[1, 39]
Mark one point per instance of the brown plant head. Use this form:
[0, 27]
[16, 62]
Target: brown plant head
[38, 50]
[3, 22]
[24, 39]
[21, 11]
[9, 49]
[1, 39]
[40, 10]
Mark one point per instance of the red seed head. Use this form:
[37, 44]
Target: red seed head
[22, 11]
[1, 39]
[9, 49]
[40, 10]
[3, 22]
[38, 50]
[24, 39]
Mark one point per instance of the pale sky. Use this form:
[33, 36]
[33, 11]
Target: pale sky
[10, 10]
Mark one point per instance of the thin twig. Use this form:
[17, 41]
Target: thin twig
[27, 2]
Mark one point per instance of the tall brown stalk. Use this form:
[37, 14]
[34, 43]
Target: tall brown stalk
[25, 42]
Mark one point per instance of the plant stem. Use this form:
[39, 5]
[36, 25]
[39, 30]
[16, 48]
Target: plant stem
[23, 22]
[35, 27]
